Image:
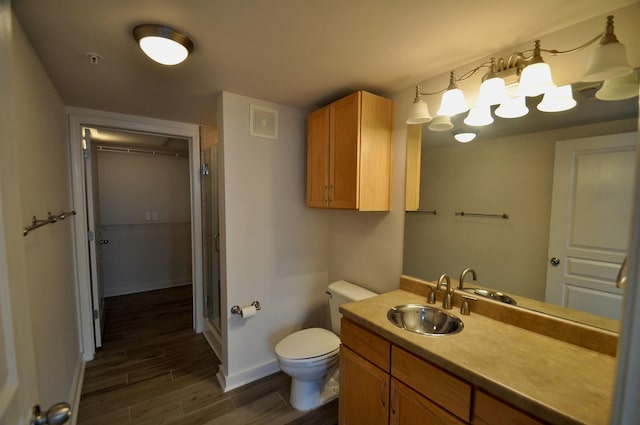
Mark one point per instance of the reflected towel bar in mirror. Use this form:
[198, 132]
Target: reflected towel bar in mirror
[462, 213]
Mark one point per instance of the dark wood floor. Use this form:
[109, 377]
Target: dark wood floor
[153, 369]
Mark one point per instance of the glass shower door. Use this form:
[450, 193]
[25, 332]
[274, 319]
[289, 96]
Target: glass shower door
[211, 235]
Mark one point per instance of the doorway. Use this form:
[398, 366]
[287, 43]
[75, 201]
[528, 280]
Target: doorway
[82, 118]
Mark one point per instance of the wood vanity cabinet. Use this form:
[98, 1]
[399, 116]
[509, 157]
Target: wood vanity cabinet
[375, 387]
[364, 377]
[381, 383]
[349, 144]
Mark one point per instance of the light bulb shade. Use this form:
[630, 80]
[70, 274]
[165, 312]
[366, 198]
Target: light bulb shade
[479, 116]
[163, 44]
[464, 137]
[492, 92]
[619, 88]
[515, 107]
[557, 99]
[606, 62]
[452, 103]
[441, 123]
[535, 80]
[419, 112]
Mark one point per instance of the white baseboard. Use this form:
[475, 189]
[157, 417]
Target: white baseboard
[151, 286]
[247, 376]
[76, 390]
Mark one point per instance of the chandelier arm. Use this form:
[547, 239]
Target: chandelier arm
[472, 72]
[433, 93]
[577, 49]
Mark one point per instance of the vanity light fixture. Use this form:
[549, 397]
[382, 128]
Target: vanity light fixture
[452, 99]
[163, 44]
[526, 74]
[419, 112]
[609, 60]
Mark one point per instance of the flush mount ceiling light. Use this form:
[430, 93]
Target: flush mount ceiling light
[525, 74]
[163, 44]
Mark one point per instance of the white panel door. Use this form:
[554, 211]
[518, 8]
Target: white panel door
[95, 239]
[590, 221]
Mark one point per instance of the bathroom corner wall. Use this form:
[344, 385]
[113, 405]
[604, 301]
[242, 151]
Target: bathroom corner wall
[273, 249]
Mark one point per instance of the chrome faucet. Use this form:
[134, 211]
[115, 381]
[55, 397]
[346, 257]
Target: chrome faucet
[463, 274]
[446, 301]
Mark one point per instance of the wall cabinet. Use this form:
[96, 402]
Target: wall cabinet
[349, 151]
[381, 383]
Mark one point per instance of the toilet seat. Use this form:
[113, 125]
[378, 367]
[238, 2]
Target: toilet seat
[312, 343]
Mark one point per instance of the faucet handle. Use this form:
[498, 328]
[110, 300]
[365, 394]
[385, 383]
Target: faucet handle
[431, 298]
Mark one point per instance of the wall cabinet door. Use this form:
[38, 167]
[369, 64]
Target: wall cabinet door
[407, 407]
[318, 158]
[349, 145]
[364, 391]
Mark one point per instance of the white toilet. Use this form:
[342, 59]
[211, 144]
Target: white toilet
[310, 356]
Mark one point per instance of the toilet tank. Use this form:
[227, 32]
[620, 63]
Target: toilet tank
[341, 292]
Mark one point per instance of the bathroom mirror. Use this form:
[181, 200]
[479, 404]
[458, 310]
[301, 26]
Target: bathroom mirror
[508, 169]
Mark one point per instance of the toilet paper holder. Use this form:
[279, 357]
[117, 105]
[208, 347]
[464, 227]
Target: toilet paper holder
[236, 309]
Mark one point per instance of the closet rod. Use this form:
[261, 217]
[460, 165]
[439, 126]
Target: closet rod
[35, 223]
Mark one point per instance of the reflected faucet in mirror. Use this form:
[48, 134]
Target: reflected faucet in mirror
[621, 280]
[464, 274]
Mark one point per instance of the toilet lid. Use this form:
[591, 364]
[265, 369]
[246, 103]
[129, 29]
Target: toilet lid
[308, 343]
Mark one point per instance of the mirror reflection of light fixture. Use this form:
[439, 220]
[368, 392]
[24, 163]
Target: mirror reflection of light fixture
[452, 99]
[619, 88]
[557, 99]
[441, 123]
[514, 107]
[464, 136]
[163, 44]
[479, 116]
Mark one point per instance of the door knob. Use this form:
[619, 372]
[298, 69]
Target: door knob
[58, 414]
[555, 261]
[103, 241]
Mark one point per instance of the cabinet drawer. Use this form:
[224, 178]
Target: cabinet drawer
[369, 345]
[434, 383]
[491, 411]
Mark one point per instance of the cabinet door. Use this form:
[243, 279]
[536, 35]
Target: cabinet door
[344, 152]
[364, 391]
[318, 158]
[407, 407]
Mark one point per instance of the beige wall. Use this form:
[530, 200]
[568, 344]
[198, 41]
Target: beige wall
[43, 173]
[273, 248]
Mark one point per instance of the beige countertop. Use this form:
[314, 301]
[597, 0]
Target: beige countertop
[556, 381]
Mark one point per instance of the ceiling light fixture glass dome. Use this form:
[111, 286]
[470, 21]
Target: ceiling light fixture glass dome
[163, 44]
